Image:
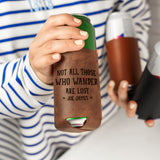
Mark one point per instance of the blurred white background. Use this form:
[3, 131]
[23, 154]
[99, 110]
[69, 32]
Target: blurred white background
[154, 34]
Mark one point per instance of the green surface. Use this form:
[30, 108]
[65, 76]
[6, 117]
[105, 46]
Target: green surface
[76, 118]
[90, 43]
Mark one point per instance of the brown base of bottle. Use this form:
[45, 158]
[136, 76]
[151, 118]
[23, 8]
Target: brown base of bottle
[88, 126]
[77, 90]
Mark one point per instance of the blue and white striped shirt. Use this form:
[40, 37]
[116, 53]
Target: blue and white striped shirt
[26, 104]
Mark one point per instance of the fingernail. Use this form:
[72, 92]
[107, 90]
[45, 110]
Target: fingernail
[83, 33]
[111, 83]
[150, 123]
[132, 105]
[124, 84]
[78, 42]
[77, 20]
[55, 56]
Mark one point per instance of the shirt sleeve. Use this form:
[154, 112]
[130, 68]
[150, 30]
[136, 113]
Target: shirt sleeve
[140, 12]
[21, 92]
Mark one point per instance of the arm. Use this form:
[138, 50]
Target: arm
[139, 10]
[21, 93]
[26, 83]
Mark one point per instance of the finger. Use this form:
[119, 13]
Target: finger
[61, 46]
[123, 94]
[47, 60]
[150, 122]
[131, 109]
[111, 92]
[61, 33]
[67, 32]
[62, 19]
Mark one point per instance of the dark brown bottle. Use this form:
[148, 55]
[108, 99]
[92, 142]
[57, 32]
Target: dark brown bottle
[77, 100]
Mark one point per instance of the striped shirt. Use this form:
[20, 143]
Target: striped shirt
[27, 113]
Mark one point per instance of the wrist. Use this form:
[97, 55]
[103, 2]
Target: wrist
[45, 79]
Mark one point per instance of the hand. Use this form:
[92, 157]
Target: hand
[58, 35]
[121, 99]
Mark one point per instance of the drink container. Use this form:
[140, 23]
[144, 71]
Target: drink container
[77, 100]
[122, 50]
[147, 92]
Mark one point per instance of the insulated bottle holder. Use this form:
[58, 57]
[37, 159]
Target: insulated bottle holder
[147, 96]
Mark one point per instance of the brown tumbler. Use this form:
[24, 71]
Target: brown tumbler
[122, 51]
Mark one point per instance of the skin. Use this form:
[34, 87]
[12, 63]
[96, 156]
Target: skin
[121, 99]
[58, 35]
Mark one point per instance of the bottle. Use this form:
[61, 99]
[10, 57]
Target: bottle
[77, 100]
[148, 89]
[122, 50]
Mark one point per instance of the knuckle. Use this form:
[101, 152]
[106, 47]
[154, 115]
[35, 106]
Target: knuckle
[35, 65]
[122, 93]
[50, 19]
[70, 32]
[61, 46]
[50, 46]
[65, 16]
[46, 61]
[69, 44]
[110, 94]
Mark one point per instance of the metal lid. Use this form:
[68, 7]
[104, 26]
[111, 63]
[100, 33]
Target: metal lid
[118, 15]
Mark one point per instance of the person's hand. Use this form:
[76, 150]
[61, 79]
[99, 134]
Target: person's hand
[59, 34]
[121, 99]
